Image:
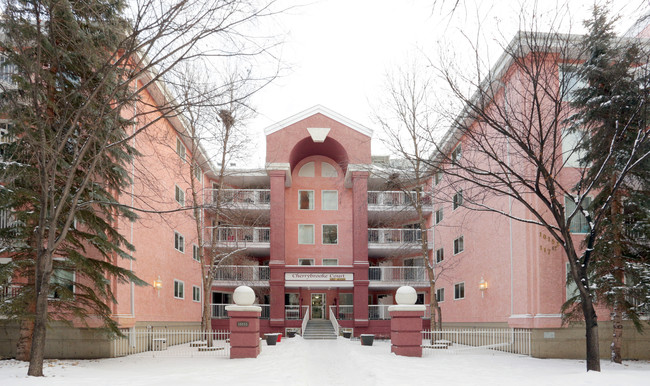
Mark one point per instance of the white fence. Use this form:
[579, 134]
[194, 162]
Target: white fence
[241, 235]
[161, 342]
[393, 236]
[457, 341]
[395, 198]
[260, 198]
[241, 273]
[400, 274]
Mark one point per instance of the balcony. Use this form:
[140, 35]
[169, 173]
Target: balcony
[250, 199]
[241, 236]
[394, 199]
[219, 311]
[397, 276]
[384, 242]
[235, 275]
[8, 291]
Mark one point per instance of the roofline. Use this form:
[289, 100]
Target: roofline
[316, 110]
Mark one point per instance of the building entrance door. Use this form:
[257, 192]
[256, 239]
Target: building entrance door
[318, 306]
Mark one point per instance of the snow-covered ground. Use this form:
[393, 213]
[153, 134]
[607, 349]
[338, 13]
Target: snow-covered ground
[342, 362]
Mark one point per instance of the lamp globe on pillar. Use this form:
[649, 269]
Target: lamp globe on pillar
[244, 296]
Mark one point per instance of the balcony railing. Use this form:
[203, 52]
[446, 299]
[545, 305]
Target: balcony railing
[395, 198]
[393, 236]
[241, 273]
[397, 274]
[219, 311]
[8, 291]
[295, 312]
[260, 198]
[345, 312]
[241, 235]
[378, 312]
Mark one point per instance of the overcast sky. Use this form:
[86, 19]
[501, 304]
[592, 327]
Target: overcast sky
[337, 52]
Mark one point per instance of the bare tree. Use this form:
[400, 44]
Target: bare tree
[509, 143]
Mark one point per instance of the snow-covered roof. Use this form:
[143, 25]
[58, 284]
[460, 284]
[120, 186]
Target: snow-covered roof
[318, 109]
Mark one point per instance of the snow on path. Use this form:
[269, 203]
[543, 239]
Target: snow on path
[328, 362]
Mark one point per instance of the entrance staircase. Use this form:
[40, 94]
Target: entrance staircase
[319, 329]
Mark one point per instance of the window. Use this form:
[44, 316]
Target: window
[440, 255]
[198, 173]
[330, 200]
[7, 70]
[330, 234]
[440, 295]
[306, 199]
[305, 261]
[419, 298]
[179, 194]
[291, 299]
[437, 178]
[459, 291]
[195, 252]
[179, 242]
[179, 289]
[579, 221]
[330, 261]
[305, 234]
[307, 170]
[458, 199]
[328, 170]
[570, 82]
[196, 293]
[180, 148]
[62, 284]
[573, 151]
[346, 299]
[456, 154]
[459, 245]
[439, 215]
[571, 286]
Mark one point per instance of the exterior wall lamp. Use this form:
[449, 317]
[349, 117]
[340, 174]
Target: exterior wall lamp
[482, 285]
[157, 284]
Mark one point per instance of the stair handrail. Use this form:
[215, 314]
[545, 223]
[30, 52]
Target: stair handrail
[305, 319]
[334, 322]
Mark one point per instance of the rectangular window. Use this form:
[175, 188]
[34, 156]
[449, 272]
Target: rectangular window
[570, 82]
[440, 255]
[330, 261]
[180, 148]
[579, 221]
[346, 299]
[330, 200]
[330, 234]
[7, 71]
[198, 173]
[458, 199]
[459, 291]
[195, 252]
[62, 284]
[440, 295]
[456, 154]
[291, 299]
[305, 234]
[305, 261]
[306, 199]
[179, 242]
[459, 245]
[179, 289]
[179, 195]
[573, 151]
[196, 293]
[437, 178]
[439, 215]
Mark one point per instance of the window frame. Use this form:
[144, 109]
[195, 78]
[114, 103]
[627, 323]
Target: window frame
[52, 294]
[460, 239]
[458, 287]
[311, 199]
[329, 259]
[179, 287]
[579, 216]
[457, 154]
[181, 150]
[313, 234]
[301, 260]
[438, 215]
[440, 257]
[567, 93]
[440, 291]
[322, 234]
[322, 199]
[196, 290]
[195, 253]
[179, 195]
[179, 240]
[457, 200]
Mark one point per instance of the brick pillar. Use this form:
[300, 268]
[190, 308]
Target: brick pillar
[244, 331]
[276, 265]
[360, 245]
[406, 323]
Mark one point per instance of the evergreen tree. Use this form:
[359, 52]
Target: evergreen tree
[613, 110]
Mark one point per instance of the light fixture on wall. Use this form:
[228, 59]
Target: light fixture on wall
[157, 284]
[482, 285]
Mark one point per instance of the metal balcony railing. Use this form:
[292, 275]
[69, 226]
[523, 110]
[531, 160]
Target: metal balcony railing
[241, 273]
[260, 198]
[393, 236]
[345, 312]
[397, 274]
[240, 235]
[8, 291]
[295, 312]
[395, 198]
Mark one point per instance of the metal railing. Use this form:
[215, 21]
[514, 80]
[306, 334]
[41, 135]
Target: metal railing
[240, 235]
[266, 311]
[343, 312]
[241, 273]
[305, 319]
[219, 311]
[260, 198]
[163, 342]
[456, 341]
[335, 323]
[8, 291]
[378, 312]
[393, 236]
[391, 274]
[395, 198]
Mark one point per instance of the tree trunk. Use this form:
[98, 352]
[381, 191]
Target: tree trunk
[24, 346]
[37, 353]
[591, 333]
[617, 339]
[619, 276]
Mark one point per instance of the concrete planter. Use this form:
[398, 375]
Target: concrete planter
[271, 339]
[367, 339]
